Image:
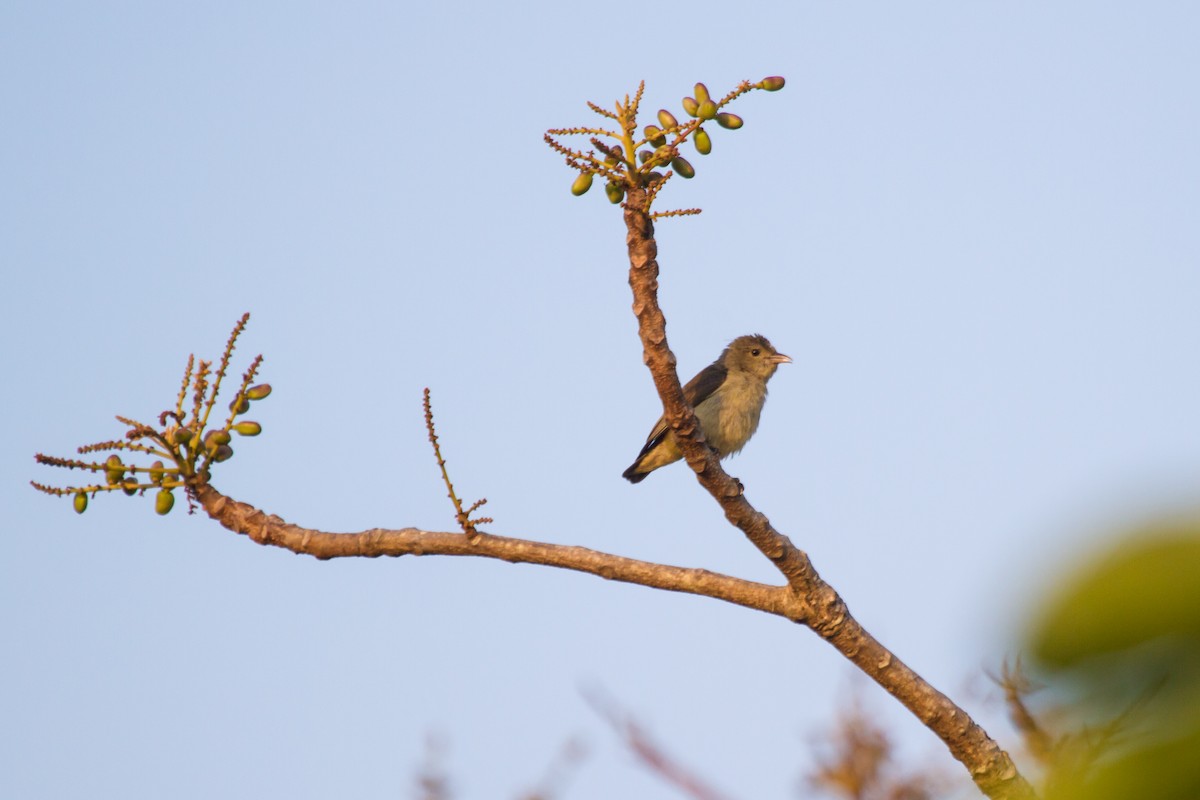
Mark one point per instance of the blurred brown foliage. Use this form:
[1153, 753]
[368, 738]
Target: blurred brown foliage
[856, 760]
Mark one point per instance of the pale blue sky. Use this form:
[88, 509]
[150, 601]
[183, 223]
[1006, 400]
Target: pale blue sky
[973, 226]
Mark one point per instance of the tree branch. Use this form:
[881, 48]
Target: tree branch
[820, 607]
[268, 529]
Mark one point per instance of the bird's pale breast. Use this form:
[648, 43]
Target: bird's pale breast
[730, 416]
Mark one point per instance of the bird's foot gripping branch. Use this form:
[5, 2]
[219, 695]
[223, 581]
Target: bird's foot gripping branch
[186, 443]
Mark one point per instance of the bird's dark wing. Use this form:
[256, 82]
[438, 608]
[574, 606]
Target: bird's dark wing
[701, 387]
[695, 391]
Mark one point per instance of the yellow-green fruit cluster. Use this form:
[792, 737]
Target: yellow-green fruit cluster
[706, 108]
[241, 403]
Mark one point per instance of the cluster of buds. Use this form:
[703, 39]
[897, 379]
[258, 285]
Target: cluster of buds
[118, 475]
[184, 444]
[659, 144]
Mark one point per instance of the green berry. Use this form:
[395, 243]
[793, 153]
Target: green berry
[216, 438]
[701, 93]
[702, 141]
[707, 110]
[690, 106]
[581, 184]
[164, 501]
[80, 502]
[667, 119]
[614, 192]
[114, 470]
[248, 428]
[682, 168]
[730, 121]
[773, 83]
[258, 392]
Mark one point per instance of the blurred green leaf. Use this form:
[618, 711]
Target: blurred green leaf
[1162, 771]
[1146, 589]
[1126, 629]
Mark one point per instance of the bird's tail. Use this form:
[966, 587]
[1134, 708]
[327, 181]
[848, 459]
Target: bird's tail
[633, 475]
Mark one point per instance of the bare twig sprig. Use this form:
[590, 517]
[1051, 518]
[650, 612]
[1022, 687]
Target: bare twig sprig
[185, 446]
[679, 212]
[461, 516]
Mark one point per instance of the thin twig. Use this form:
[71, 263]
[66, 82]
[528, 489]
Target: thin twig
[648, 752]
[463, 518]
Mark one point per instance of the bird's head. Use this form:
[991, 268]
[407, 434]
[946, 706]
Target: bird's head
[753, 354]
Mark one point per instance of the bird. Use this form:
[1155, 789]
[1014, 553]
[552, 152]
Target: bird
[727, 397]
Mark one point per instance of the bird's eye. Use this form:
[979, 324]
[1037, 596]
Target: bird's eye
[755, 351]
